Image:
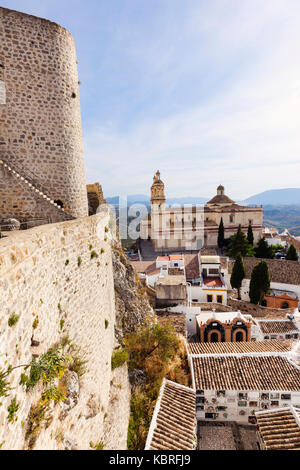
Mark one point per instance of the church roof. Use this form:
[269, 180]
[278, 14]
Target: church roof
[221, 199]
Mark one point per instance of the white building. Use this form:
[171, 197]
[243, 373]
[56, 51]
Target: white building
[234, 386]
[211, 286]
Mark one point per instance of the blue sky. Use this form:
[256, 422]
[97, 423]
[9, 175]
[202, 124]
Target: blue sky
[208, 91]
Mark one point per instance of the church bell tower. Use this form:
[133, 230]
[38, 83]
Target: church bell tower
[158, 198]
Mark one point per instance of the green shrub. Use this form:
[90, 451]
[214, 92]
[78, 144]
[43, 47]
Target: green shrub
[106, 324]
[94, 255]
[35, 323]
[12, 409]
[99, 446]
[106, 229]
[79, 261]
[102, 251]
[67, 262]
[38, 415]
[13, 320]
[119, 357]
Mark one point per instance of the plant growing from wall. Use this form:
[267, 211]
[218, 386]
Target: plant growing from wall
[35, 323]
[38, 416]
[157, 351]
[119, 357]
[99, 446]
[94, 254]
[13, 320]
[12, 410]
[79, 261]
[50, 366]
[106, 324]
[67, 262]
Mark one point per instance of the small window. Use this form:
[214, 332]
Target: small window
[200, 392]
[221, 393]
[264, 396]
[211, 415]
[274, 396]
[219, 299]
[200, 400]
[253, 404]
[243, 396]
[200, 407]
[231, 219]
[209, 298]
[275, 403]
[264, 406]
[286, 396]
[242, 403]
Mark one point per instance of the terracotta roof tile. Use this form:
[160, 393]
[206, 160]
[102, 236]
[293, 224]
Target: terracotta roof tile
[175, 419]
[192, 266]
[276, 327]
[239, 348]
[245, 373]
[281, 271]
[280, 429]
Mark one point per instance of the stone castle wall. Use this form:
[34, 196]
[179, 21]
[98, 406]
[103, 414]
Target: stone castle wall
[40, 121]
[50, 273]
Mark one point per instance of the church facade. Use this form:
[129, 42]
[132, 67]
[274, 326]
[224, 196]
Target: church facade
[193, 227]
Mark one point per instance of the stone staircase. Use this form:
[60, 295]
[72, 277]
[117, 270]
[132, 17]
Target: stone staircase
[30, 180]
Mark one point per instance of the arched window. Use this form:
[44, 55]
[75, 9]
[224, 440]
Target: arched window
[214, 338]
[239, 337]
[285, 305]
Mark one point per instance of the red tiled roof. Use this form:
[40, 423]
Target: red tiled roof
[281, 271]
[279, 429]
[270, 327]
[191, 266]
[163, 258]
[226, 372]
[176, 258]
[213, 282]
[240, 348]
[143, 267]
[175, 418]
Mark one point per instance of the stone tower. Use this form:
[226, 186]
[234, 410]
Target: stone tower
[42, 171]
[158, 198]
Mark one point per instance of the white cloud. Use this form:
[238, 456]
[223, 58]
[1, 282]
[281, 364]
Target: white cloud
[245, 133]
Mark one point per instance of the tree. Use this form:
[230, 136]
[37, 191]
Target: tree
[221, 237]
[260, 283]
[250, 236]
[263, 250]
[239, 244]
[292, 254]
[238, 274]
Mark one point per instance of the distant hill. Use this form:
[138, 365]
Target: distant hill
[143, 199]
[288, 196]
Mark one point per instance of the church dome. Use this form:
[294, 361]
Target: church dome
[221, 197]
